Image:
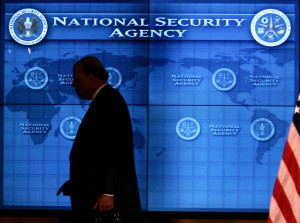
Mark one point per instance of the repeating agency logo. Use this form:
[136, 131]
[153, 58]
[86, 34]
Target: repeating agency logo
[262, 129]
[28, 26]
[188, 128]
[270, 27]
[224, 79]
[114, 77]
[69, 127]
[36, 78]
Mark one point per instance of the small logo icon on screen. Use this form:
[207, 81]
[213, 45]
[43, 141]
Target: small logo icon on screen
[28, 26]
[270, 27]
[69, 127]
[188, 128]
[262, 129]
[114, 77]
[224, 79]
[36, 78]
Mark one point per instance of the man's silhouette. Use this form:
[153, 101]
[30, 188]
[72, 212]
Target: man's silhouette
[102, 172]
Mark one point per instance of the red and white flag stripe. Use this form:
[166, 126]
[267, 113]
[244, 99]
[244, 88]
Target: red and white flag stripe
[285, 202]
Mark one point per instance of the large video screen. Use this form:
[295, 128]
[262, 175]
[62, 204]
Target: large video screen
[211, 88]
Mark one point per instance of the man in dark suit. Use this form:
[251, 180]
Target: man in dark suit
[102, 172]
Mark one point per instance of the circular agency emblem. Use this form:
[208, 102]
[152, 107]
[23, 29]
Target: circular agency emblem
[270, 27]
[28, 26]
[36, 78]
[224, 79]
[114, 77]
[69, 127]
[188, 128]
[262, 129]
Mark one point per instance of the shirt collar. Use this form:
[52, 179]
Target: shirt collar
[97, 91]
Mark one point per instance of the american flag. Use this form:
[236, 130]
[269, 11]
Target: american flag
[285, 202]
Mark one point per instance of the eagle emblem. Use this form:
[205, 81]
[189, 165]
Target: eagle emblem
[28, 28]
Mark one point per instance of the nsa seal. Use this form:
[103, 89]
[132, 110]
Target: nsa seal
[262, 129]
[114, 77]
[188, 128]
[224, 79]
[28, 26]
[36, 78]
[270, 27]
[69, 127]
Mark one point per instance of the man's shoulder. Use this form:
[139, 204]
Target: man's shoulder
[109, 94]
[108, 89]
[111, 91]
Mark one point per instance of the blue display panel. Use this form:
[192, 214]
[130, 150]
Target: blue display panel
[210, 86]
[229, 163]
[191, 74]
[57, 58]
[36, 152]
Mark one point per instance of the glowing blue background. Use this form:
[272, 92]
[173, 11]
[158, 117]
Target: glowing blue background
[208, 173]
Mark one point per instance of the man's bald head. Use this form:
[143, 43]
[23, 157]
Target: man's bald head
[91, 65]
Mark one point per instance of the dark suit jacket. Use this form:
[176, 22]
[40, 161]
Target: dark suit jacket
[102, 158]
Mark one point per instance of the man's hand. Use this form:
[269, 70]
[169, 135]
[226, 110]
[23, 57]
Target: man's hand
[104, 203]
[65, 188]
